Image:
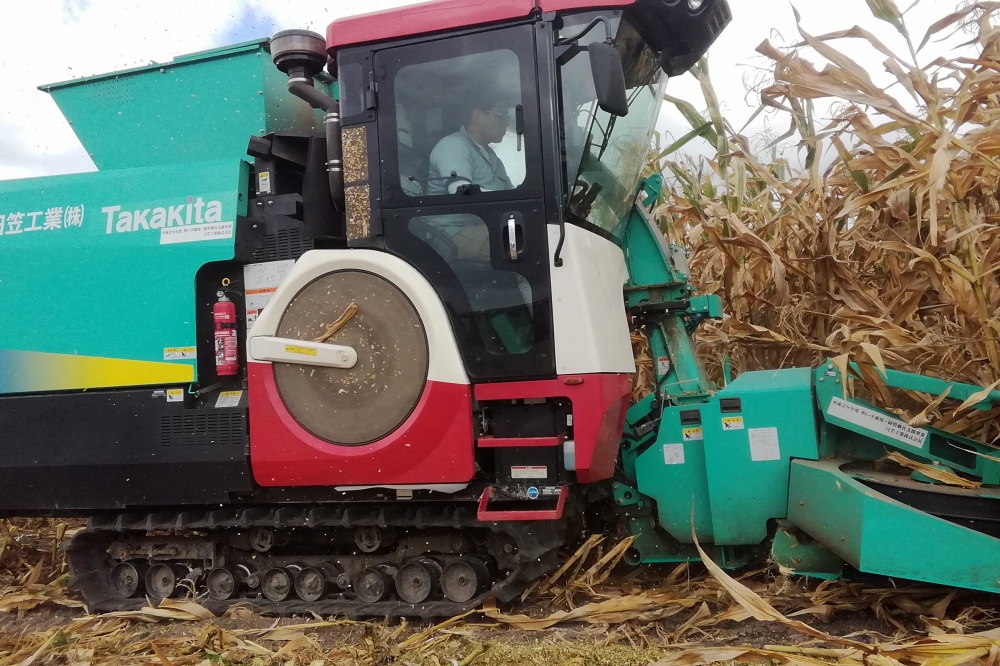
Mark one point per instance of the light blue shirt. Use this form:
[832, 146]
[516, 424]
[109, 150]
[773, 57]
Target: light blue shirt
[459, 153]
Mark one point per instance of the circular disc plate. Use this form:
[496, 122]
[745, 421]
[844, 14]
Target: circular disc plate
[372, 399]
[221, 584]
[371, 586]
[125, 579]
[413, 583]
[276, 585]
[310, 584]
[161, 581]
[461, 581]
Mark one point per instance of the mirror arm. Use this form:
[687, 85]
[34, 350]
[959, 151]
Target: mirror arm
[566, 52]
[591, 26]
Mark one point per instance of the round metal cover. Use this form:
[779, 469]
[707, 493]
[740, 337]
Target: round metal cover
[125, 580]
[161, 581]
[461, 581]
[372, 585]
[372, 399]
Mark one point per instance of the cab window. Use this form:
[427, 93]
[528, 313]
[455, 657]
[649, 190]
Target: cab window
[605, 154]
[456, 124]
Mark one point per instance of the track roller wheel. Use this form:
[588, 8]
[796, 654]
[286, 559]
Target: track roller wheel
[222, 584]
[276, 584]
[372, 585]
[127, 579]
[417, 580]
[310, 584]
[161, 580]
[368, 539]
[262, 539]
[463, 580]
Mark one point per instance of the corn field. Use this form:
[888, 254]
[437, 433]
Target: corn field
[890, 255]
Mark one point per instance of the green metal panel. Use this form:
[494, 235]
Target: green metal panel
[672, 472]
[934, 386]
[108, 272]
[877, 534]
[653, 279]
[805, 557]
[858, 429]
[747, 454]
[733, 470]
[654, 546]
[200, 107]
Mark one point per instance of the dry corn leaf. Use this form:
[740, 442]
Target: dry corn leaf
[169, 609]
[922, 418]
[616, 609]
[760, 609]
[937, 473]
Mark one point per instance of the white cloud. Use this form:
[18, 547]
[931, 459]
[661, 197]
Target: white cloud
[54, 40]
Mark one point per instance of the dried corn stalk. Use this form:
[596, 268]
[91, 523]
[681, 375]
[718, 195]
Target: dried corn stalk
[891, 255]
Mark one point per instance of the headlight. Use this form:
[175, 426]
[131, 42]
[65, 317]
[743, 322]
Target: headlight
[695, 5]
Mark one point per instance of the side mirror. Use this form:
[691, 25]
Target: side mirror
[609, 78]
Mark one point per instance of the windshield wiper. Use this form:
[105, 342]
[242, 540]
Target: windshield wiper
[607, 137]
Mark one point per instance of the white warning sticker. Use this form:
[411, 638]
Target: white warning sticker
[673, 454]
[260, 282]
[764, 444]
[196, 233]
[693, 434]
[264, 182]
[877, 422]
[180, 353]
[529, 472]
[732, 423]
[175, 395]
[228, 399]
[663, 366]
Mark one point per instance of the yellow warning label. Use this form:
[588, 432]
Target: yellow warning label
[732, 423]
[175, 395]
[692, 434]
[179, 353]
[304, 351]
[228, 399]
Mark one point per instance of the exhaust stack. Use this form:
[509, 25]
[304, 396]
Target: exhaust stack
[301, 55]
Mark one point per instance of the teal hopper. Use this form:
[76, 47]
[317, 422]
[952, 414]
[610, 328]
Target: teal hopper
[197, 108]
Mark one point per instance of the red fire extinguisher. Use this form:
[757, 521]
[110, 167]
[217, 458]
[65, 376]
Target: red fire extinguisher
[227, 356]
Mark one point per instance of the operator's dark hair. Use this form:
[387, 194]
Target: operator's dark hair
[485, 98]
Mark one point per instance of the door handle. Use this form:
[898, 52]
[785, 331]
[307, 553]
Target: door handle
[514, 233]
[512, 237]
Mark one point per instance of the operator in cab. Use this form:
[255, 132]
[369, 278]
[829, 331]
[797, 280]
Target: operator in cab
[466, 155]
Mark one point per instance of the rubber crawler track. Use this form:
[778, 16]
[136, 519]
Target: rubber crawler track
[90, 564]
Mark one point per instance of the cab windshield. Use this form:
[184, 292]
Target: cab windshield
[603, 154]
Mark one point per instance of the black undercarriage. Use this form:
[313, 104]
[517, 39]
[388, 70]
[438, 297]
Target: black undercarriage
[426, 560]
[173, 511]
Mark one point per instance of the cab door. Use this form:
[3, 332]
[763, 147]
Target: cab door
[462, 191]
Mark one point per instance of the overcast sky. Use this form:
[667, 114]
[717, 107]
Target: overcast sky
[46, 41]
